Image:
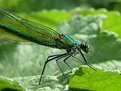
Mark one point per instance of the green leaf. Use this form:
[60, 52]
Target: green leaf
[9, 85]
[49, 83]
[49, 18]
[87, 79]
[111, 23]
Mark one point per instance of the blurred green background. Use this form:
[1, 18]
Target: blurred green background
[96, 21]
[37, 5]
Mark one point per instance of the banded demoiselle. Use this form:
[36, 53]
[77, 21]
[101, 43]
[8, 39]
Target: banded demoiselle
[22, 29]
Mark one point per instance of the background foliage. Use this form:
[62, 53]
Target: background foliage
[97, 22]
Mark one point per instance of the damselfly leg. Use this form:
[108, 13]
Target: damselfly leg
[50, 58]
[66, 62]
[56, 58]
[71, 55]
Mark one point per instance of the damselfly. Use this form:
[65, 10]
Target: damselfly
[23, 29]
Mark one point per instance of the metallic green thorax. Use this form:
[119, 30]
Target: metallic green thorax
[70, 40]
[15, 28]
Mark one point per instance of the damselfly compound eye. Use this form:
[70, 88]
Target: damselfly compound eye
[84, 47]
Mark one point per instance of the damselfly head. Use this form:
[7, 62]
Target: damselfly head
[84, 47]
